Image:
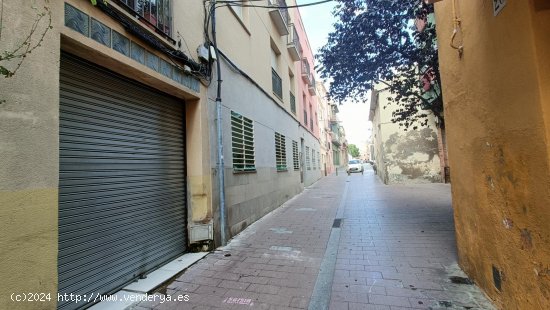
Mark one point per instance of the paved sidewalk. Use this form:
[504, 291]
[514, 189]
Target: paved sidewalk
[395, 250]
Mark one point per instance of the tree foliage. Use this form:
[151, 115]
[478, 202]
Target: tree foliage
[354, 150]
[375, 42]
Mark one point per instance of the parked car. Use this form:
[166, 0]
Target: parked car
[354, 165]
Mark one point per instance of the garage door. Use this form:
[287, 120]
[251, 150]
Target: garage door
[122, 203]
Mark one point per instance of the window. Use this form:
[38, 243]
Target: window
[292, 103]
[304, 103]
[319, 159]
[313, 163]
[280, 152]
[242, 136]
[310, 118]
[291, 92]
[295, 156]
[156, 12]
[276, 81]
[277, 84]
[308, 162]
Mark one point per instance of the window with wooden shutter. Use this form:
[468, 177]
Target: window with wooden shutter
[280, 152]
[242, 135]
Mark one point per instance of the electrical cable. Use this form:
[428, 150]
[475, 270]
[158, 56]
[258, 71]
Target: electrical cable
[229, 2]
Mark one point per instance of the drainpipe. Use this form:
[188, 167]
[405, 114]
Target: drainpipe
[221, 179]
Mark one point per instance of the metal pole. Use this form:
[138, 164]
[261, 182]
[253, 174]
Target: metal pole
[221, 179]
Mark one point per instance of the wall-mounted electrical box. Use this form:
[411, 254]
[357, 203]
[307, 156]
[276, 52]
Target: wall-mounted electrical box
[202, 52]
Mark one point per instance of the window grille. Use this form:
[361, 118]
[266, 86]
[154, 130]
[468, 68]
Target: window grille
[156, 12]
[295, 156]
[308, 162]
[242, 134]
[280, 152]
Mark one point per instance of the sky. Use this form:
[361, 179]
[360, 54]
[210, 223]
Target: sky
[318, 21]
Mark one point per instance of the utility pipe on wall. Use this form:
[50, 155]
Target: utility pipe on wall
[221, 174]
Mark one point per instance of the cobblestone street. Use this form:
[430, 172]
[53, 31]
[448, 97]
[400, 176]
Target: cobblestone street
[347, 242]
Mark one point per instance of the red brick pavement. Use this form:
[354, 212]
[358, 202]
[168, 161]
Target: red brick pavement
[396, 251]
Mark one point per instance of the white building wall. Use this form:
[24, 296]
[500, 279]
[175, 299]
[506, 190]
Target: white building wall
[251, 195]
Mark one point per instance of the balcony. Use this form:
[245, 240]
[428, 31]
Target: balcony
[306, 72]
[279, 16]
[335, 138]
[293, 45]
[311, 87]
[277, 84]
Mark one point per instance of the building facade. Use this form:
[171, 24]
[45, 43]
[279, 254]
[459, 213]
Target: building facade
[109, 141]
[339, 144]
[497, 112]
[270, 152]
[402, 156]
[327, 161]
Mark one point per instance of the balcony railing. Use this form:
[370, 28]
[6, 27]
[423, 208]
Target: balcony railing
[311, 87]
[277, 84]
[306, 72]
[293, 46]
[279, 15]
[156, 14]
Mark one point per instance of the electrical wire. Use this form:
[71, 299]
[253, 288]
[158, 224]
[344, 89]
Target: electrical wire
[241, 4]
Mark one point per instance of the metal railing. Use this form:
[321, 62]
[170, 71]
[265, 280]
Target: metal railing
[277, 84]
[294, 39]
[281, 5]
[306, 72]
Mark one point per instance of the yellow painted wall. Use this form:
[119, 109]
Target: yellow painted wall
[29, 161]
[497, 120]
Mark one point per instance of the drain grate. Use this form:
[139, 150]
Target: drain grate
[337, 223]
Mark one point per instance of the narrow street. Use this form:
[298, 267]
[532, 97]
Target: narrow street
[347, 242]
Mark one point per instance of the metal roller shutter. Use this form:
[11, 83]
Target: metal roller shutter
[122, 203]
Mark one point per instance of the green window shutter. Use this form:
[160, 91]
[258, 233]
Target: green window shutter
[280, 152]
[295, 156]
[242, 135]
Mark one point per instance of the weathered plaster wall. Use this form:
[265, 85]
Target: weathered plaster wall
[410, 156]
[29, 160]
[496, 111]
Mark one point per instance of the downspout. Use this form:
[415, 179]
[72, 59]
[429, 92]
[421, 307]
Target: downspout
[221, 179]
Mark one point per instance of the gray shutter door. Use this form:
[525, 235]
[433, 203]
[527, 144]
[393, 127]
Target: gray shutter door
[122, 202]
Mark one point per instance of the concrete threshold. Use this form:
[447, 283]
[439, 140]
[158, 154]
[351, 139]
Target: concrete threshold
[137, 291]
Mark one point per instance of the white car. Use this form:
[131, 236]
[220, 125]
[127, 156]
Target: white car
[354, 165]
